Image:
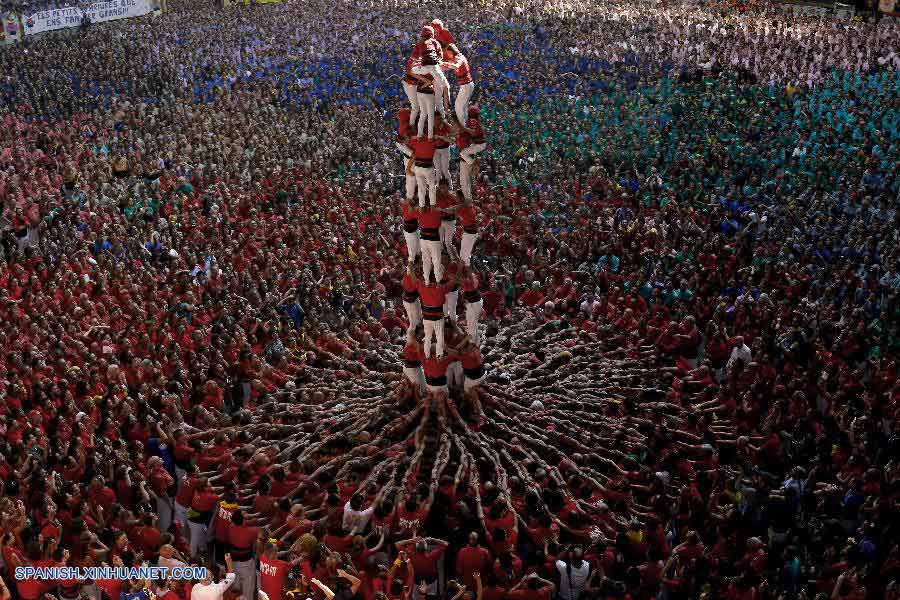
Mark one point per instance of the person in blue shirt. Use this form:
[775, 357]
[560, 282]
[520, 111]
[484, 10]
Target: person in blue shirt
[163, 446]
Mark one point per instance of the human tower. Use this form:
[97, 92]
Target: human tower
[439, 356]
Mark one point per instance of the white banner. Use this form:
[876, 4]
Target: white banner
[97, 12]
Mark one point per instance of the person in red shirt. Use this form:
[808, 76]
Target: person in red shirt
[473, 368]
[423, 168]
[466, 84]
[424, 560]
[443, 35]
[273, 572]
[410, 86]
[162, 484]
[243, 541]
[200, 515]
[403, 130]
[429, 68]
[430, 222]
[404, 133]
[221, 522]
[186, 487]
[533, 296]
[410, 222]
[433, 296]
[100, 495]
[532, 587]
[411, 302]
[412, 363]
[470, 141]
[184, 451]
[435, 368]
[147, 537]
[471, 559]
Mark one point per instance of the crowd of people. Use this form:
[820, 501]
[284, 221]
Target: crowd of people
[655, 247]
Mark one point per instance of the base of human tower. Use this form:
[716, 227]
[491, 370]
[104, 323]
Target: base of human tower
[534, 412]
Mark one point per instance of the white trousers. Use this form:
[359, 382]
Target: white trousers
[461, 106]
[412, 244]
[466, 246]
[411, 187]
[455, 375]
[473, 313]
[440, 84]
[434, 329]
[426, 114]
[411, 95]
[416, 376]
[413, 313]
[426, 185]
[442, 165]
[448, 232]
[450, 301]
[431, 260]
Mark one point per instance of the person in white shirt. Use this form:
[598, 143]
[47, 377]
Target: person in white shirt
[168, 557]
[207, 590]
[355, 520]
[573, 575]
[740, 351]
[588, 305]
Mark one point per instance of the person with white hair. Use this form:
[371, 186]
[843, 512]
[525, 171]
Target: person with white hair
[206, 589]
